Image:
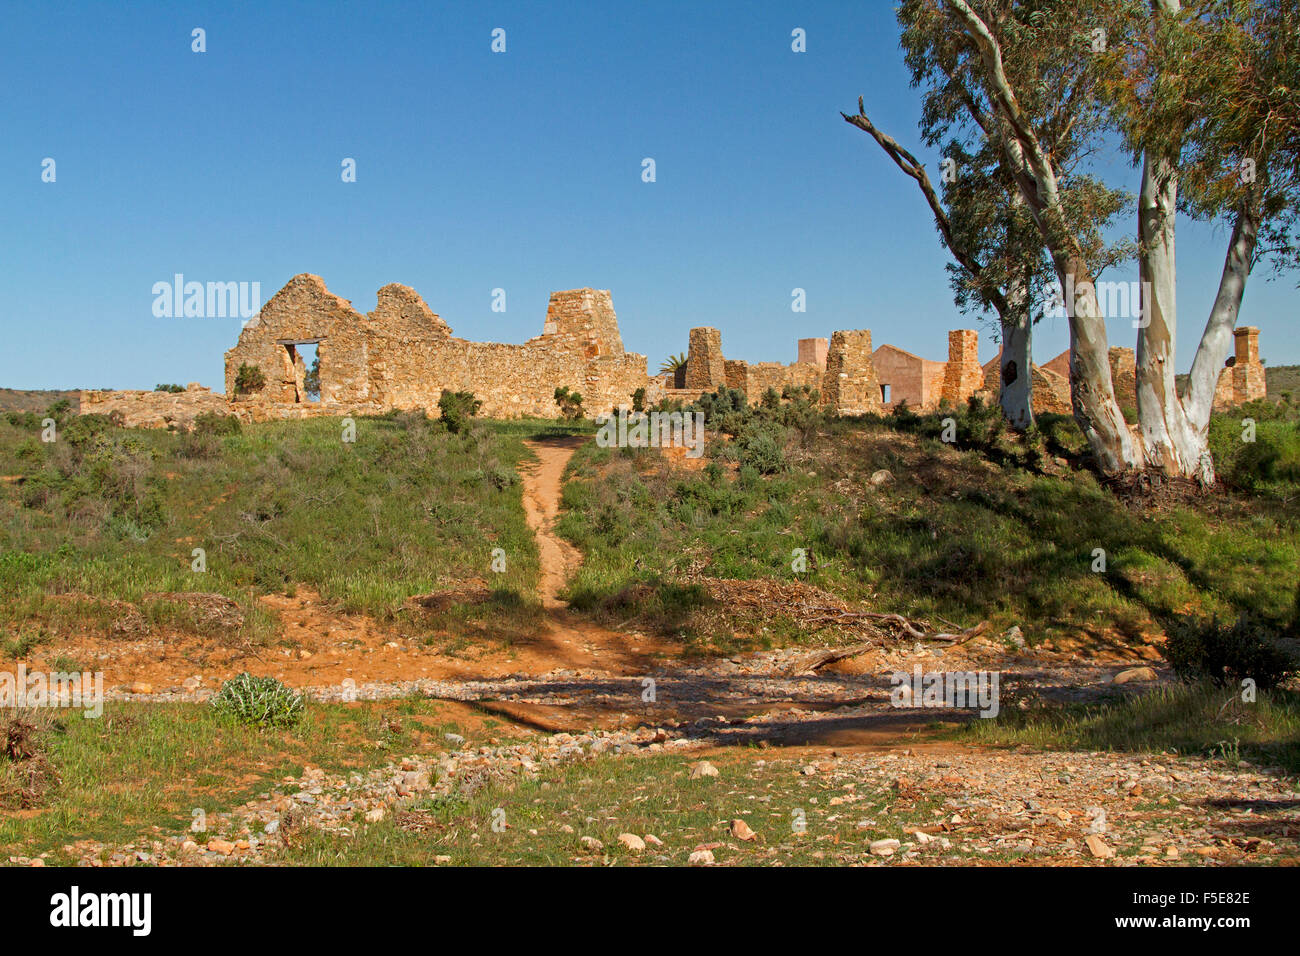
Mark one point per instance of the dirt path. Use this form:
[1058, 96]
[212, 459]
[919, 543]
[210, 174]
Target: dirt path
[542, 487]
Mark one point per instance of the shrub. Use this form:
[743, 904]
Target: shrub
[1227, 653]
[457, 409]
[638, 400]
[722, 407]
[762, 447]
[197, 445]
[211, 423]
[570, 402]
[263, 701]
[249, 378]
[169, 388]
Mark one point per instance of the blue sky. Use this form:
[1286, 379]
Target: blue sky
[478, 171]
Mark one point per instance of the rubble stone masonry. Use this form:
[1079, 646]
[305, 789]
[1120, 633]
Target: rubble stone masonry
[963, 376]
[849, 385]
[403, 355]
[706, 369]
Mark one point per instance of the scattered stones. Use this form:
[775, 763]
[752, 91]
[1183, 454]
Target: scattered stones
[703, 768]
[700, 858]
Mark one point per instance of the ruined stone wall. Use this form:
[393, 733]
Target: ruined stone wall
[1123, 376]
[962, 375]
[849, 385]
[403, 355]
[736, 374]
[1050, 391]
[304, 311]
[582, 321]
[402, 335]
[764, 375]
[140, 409]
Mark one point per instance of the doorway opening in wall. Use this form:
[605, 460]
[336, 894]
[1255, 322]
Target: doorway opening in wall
[310, 378]
[302, 370]
[884, 394]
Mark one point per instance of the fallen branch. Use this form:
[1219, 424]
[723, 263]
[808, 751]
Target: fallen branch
[810, 663]
[962, 636]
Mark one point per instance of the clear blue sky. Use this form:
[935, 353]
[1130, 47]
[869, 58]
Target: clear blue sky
[476, 171]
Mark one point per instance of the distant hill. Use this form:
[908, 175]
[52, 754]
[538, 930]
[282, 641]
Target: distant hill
[1277, 379]
[1282, 378]
[35, 400]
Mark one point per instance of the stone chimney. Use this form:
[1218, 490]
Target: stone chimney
[813, 351]
[1246, 340]
[705, 367]
[849, 384]
[963, 376]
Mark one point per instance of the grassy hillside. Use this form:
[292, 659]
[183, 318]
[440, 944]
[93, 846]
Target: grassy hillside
[105, 515]
[954, 532]
[1281, 380]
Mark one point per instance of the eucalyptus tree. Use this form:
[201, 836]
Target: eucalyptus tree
[1000, 257]
[1206, 97]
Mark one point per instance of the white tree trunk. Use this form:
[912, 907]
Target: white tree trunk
[1092, 392]
[1170, 442]
[1216, 340]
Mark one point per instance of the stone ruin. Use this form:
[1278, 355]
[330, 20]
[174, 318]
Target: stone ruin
[1242, 379]
[839, 370]
[403, 355]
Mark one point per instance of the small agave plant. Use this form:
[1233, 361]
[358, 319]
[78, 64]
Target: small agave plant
[264, 701]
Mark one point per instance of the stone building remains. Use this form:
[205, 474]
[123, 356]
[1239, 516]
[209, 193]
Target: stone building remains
[404, 356]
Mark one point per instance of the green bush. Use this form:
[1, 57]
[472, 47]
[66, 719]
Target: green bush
[169, 388]
[570, 402]
[249, 378]
[1227, 653]
[210, 423]
[258, 700]
[457, 408]
[762, 447]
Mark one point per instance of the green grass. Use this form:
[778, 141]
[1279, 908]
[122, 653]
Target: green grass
[149, 765]
[112, 514]
[1188, 719]
[959, 534]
